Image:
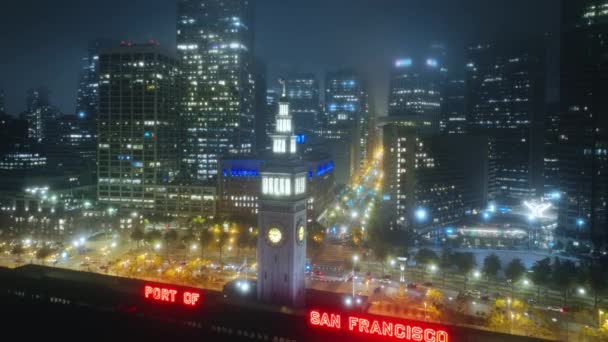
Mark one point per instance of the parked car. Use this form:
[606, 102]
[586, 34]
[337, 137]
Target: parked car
[427, 284]
[412, 285]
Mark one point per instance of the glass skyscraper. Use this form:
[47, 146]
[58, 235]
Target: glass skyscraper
[215, 45]
[415, 92]
[505, 96]
[303, 93]
[137, 135]
[345, 121]
[583, 136]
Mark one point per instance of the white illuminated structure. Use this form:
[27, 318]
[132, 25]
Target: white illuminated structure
[537, 209]
[281, 249]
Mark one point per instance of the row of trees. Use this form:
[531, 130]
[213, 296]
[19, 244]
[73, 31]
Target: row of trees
[203, 233]
[557, 274]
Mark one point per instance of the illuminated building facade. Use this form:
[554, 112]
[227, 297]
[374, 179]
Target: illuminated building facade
[281, 248]
[38, 114]
[238, 185]
[215, 45]
[303, 94]
[505, 96]
[551, 153]
[454, 118]
[415, 92]
[137, 144]
[346, 122]
[272, 100]
[583, 136]
[430, 180]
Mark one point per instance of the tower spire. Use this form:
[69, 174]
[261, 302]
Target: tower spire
[284, 139]
[284, 84]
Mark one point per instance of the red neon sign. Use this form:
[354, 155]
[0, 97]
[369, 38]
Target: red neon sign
[168, 295]
[378, 326]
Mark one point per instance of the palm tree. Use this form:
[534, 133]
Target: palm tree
[563, 275]
[18, 250]
[137, 235]
[152, 236]
[465, 263]
[424, 258]
[205, 239]
[43, 253]
[170, 237]
[514, 271]
[445, 262]
[541, 274]
[221, 240]
[491, 266]
[596, 276]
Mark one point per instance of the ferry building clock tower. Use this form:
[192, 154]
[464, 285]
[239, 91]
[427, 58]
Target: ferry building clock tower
[281, 248]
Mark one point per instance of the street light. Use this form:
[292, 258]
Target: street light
[581, 291]
[157, 246]
[599, 318]
[421, 214]
[425, 305]
[511, 322]
[355, 259]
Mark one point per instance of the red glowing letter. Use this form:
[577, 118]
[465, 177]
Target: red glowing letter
[429, 335]
[363, 325]
[442, 336]
[148, 291]
[387, 329]
[352, 321]
[375, 328]
[417, 334]
[191, 298]
[314, 318]
[399, 331]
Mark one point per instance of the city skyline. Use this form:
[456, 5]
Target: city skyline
[277, 25]
[306, 170]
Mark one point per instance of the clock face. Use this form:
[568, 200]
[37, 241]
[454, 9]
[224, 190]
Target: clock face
[301, 233]
[274, 235]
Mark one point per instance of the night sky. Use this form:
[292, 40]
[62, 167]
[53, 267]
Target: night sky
[43, 41]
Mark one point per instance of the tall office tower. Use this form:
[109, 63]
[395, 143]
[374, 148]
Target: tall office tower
[505, 99]
[454, 118]
[303, 94]
[415, 92]
[87, 100]
[262, 115]
[583, 140]
[215, 44]
[38, 113]
[430, 180]
[343, 100]
[344, 104]
[137, 135]
[365, 121]
[272, 103]
[551, 153]
[2, 109]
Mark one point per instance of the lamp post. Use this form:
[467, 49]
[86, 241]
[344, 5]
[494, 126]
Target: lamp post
[599, 318]
[355, 259]
[510, 313]
[425, 306]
